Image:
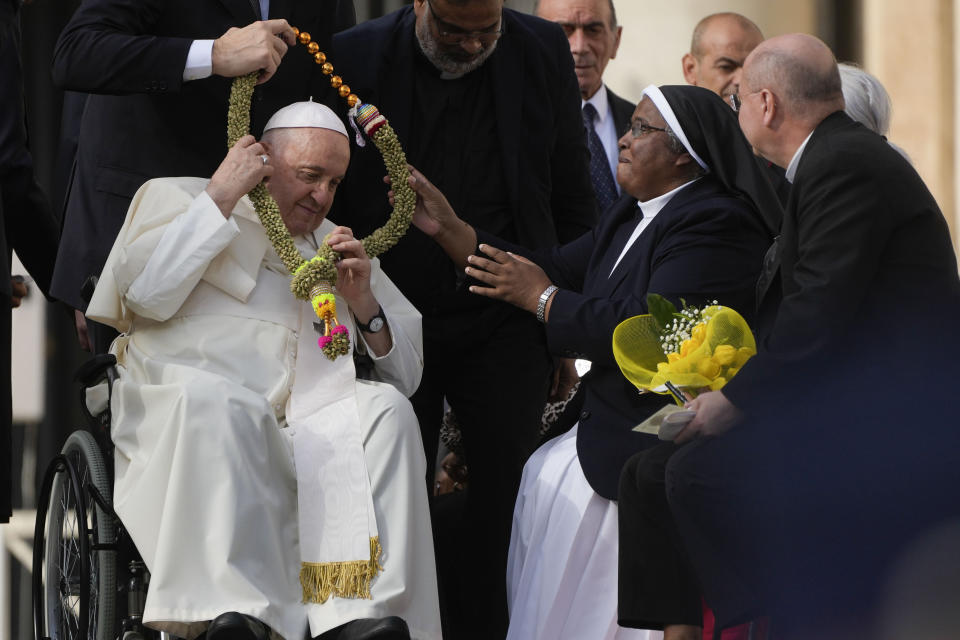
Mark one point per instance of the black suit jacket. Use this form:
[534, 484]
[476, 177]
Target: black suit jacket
[622, 111]
[26, 224]
[704, 245]
[143, 121]
[863, 268]
[544, 156]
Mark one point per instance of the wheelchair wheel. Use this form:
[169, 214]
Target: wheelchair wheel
[78, 596]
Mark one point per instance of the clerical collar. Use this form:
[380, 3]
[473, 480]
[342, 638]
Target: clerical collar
[599, 102]
[795, 161]
[652, 207]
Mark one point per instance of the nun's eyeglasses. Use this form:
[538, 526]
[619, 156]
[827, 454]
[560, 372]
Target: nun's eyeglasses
[639, 128]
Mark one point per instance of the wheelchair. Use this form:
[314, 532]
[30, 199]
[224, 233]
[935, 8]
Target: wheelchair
[89, 581]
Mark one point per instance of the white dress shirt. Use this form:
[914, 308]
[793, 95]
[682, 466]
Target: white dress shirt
[200, 57]
[795, 160]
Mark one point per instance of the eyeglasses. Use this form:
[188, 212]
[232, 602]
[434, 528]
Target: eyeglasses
[735, 102]
[449, 35]
[639, 128]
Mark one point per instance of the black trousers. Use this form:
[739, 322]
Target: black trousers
[657, 585]
[497, 387]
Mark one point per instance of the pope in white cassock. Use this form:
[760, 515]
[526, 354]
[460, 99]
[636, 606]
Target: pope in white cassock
[262, 483]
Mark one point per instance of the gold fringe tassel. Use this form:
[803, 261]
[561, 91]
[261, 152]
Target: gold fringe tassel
[351, 579]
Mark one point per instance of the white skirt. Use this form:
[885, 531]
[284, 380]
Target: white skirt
[562, 566]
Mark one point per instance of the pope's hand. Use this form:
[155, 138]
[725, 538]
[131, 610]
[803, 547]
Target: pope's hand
[509, 277]
[259, 46]
[244, 167]
[715, 416]
[353, 270]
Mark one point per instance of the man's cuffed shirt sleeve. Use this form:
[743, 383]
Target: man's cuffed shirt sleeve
[199, 61]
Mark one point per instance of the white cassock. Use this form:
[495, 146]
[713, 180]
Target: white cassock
[205, 471]
[562, 563]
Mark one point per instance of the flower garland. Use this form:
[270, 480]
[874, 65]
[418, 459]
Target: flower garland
[314, 279]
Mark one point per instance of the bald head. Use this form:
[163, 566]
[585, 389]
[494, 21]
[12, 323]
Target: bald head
[801, 71]
[790, 84]
[721, 42]
[729, 25]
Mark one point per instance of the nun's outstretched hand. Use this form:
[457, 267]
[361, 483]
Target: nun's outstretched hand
[507, 277]
[434, 216]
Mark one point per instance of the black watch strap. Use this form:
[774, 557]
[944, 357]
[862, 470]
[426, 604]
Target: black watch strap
[373, 326]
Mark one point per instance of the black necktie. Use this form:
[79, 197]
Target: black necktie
[256, 9]
[771, 266]
[603, 184]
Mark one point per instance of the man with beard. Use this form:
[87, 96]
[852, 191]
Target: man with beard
[487, 105]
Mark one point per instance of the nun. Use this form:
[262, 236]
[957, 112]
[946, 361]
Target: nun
[694, 222]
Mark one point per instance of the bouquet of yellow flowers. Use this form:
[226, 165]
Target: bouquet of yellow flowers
[693, 348]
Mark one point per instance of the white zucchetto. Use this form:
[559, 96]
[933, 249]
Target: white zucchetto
[310, 114]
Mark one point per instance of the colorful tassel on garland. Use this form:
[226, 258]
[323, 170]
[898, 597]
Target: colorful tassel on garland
[335, 340]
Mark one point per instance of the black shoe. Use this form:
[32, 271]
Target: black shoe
[236, 626]
[391, 628]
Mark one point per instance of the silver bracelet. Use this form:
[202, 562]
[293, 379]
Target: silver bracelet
[542, 302]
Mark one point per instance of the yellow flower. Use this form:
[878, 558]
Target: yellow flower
[663, 367]
[688, 346]
[724, 354]
[743, 354]
[732, 371]
[673, 357]
[716, 384]
[699, 332]
[708, 368]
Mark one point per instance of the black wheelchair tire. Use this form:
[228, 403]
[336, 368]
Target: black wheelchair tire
[80, 575]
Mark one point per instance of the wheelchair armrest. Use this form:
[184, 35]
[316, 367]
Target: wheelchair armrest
[94, 369]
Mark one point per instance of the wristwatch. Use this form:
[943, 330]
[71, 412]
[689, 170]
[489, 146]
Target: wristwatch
[376, 323]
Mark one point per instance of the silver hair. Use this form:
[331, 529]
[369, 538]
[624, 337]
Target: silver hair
[867, 101]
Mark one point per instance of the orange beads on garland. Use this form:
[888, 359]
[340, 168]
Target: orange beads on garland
[326, 68]
[314, 279]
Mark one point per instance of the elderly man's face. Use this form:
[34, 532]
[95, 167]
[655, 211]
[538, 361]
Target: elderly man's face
[593, 42]
[647, 167]
[308, 164]
[724, 46]
[458, 37]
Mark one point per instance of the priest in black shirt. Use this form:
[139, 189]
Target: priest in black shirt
[486, 103]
